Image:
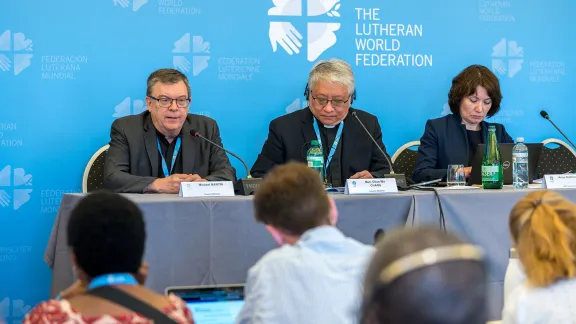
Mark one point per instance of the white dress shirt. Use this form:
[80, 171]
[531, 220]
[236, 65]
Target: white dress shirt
[317, 280]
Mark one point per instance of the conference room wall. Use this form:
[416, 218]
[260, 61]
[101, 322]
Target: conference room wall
[69, 68]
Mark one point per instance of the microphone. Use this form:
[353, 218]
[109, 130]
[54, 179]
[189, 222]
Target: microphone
[400, 178]
[245, 186]
[545, 115]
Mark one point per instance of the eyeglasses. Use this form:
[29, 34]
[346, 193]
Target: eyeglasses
[167, 102]
[336, 103]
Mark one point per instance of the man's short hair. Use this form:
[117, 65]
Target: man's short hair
[167, 76]
[292, 199]
[333, 70]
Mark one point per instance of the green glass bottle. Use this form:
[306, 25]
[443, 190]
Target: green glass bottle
[492, 172]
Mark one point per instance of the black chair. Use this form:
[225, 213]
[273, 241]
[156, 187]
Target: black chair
[94, 172]
[404, 160]
[561, 159]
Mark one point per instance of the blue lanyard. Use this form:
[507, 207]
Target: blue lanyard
[113, 279]
[334, 145]
[174, 155]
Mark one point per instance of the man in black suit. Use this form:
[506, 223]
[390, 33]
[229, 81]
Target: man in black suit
[155, 151]
[328, 119]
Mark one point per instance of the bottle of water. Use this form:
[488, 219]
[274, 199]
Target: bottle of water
[315, 159]
[520, 164]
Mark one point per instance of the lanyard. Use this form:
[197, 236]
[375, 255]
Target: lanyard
[112, 279]
[334, 145]
[174, 155]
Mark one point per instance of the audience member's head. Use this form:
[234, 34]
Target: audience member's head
[423, 275]
[292, 200]
[106, 234]
[543, 228]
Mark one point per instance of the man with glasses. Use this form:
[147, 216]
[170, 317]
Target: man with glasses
[154, 151]
[349, 153]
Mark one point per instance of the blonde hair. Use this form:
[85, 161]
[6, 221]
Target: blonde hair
[543, 228]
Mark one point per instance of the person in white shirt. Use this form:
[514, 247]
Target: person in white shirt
[316, 275]
[543, 230]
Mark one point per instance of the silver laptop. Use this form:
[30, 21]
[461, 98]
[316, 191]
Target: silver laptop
[218, 304]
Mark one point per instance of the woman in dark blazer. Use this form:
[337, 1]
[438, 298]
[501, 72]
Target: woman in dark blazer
[453, 139]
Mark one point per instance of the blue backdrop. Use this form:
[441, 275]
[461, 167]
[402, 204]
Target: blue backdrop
[69, 68]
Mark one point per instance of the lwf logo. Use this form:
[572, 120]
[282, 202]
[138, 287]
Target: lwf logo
[13, 311]
[507, 58]
[320, 35]
[199, 52]
[15, 187]
[15, 52]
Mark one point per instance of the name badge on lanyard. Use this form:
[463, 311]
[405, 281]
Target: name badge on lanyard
[334, 145]
[113, 279]
[167, 172]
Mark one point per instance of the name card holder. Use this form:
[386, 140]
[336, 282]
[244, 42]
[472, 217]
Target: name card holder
[559, 181]
[206, 189]
[370, 186]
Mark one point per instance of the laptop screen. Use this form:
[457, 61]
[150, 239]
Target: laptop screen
[213, 305]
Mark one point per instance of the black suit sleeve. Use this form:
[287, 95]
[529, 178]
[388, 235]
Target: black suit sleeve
[271, 155]
[379, 165]
[117, 175]
[220, 168]
[427, 162]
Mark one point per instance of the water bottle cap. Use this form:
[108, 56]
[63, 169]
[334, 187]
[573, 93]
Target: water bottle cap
[519, 139]
[314, 142]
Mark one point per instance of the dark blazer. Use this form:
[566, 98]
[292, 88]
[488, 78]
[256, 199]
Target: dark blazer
[445, 142]
[132, 160]
[289, 138]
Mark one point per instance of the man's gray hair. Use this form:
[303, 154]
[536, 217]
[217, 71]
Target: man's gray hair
[333, 70]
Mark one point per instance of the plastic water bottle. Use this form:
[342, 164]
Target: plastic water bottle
[315, 158]
[520, 164]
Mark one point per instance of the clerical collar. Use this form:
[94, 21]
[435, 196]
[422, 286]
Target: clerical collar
[328, 126]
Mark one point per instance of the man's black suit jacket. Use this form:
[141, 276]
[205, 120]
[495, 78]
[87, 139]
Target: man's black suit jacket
[132, 160]
[289, 138]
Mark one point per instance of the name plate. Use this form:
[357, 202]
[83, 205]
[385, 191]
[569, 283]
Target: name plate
[370, 186]
[206, 189]
[559, 181]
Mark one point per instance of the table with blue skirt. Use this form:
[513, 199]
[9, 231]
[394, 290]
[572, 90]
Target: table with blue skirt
[208, 241]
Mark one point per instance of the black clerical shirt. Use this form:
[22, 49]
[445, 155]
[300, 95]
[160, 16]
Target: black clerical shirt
[167, 151]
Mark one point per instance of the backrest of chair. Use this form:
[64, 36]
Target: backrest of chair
[93, 178]
[556, 160]
[404, 159]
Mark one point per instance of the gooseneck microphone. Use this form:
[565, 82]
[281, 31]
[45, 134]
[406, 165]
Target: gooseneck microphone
[400, 178]
[197, 134]
[245, 186]
[545, 115]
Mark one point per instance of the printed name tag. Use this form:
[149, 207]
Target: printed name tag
[370, 186]
[206, 189]
[559, 181]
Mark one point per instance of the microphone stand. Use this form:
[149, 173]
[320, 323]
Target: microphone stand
[244, 187]
[561, 132]
[400, 178]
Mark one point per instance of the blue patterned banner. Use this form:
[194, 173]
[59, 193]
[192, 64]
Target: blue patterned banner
[69, 68]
